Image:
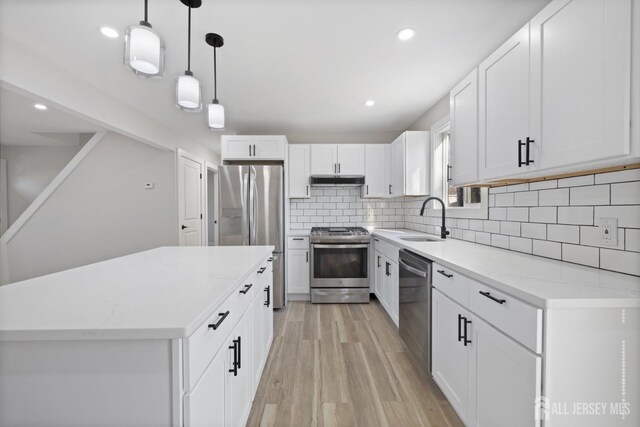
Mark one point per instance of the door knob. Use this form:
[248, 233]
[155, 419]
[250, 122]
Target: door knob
[184, 226]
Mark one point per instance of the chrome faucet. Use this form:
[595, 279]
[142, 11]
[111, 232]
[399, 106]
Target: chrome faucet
[443, 230]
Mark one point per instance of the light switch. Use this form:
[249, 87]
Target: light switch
[609, 231]
[149, 185]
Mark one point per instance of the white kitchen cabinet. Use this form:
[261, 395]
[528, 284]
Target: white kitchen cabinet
[449, 360]
[324, 159]
[238, 395]
[392, 286]
[298, 271]
[205, 404]
[463, 154]
[504, 110]
[580, 81]
[498, 367]
[351, 159]
[377, 170]
[379, 278]
[409, 171]
[299, 170]
[257, 333]
[253, 147]
[267, 318]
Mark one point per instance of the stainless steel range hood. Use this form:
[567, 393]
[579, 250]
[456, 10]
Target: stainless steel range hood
[333, 180]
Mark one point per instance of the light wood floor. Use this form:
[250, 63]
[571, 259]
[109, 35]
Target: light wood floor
[343, 365]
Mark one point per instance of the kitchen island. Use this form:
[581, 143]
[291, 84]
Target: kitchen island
[151, 338]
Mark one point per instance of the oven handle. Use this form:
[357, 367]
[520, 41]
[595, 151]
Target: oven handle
[412, 269]
[365, 245]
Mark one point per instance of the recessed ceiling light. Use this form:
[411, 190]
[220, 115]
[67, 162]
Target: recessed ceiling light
[109, 32]
[40, 107]
[370, 103]
[406, 34]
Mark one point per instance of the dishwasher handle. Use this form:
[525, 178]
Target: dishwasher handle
[413, 269]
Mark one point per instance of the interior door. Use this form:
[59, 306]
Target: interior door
[580, 85]
[504, 108]
[190, 205]
[324, 159]
[504, 380]
[449, 357]
[463, 101]
[351, 159]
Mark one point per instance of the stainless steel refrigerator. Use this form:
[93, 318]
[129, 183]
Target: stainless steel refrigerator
[251, 214]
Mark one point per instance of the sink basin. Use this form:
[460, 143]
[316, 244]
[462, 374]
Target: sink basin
[420, 239]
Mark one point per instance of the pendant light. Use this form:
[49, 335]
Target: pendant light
[188, 93]
[144, 49]
[215, 111]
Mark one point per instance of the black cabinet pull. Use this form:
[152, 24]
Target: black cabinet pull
[249, 150]
[520, 145]
[216, 325]
[387, 269]
[307, 190]
[307, 256]
[466, 323]
[367, 189]
[459, 328]
[246, 288]
[262, 270]
[390, 188]
[378, 260]
[184, 226]
[491, 297]
[527, 153]
[449, 173]
[298, 238]
[270, 259]
[236, 354]
[240, 351]
[268, 291]
[449, 276]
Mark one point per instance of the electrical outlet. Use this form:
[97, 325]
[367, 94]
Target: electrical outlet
[609, 231]
[149, 185]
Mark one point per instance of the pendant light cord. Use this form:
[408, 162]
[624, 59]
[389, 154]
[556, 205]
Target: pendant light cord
[188, 43]
[215, 79]
[146, 15]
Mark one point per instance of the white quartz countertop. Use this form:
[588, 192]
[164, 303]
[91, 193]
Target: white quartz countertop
[161, 293]
[539, 281]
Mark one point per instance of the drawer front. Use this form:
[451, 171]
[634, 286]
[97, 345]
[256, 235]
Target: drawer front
[521, 321]
[451, 283]
[201, 347]
[298, 242]
[388, 249]
[263, 273]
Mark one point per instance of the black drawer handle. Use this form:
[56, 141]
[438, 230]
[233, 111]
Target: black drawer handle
[459, 327]
[449, 276]
[262, 270]
[268, 291]
[466, 323]
[491, 297]
[270, 259]
[246, 288]
[387, 266]
[236, 356]
[298, 238]
[216, 325]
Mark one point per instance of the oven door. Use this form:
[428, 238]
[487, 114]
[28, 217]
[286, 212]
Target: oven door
[339, 265]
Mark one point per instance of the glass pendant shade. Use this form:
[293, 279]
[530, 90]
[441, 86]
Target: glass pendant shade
[188, 93]
[215, 113]
[144, 50]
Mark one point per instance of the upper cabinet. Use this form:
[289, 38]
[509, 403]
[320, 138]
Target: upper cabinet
[377, 170]
[504, 109]
[463, 156]
[253, 147]
[299, 170]
[409, 160]
[337, 159]
[556, 97]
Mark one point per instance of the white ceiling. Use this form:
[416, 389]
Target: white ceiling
[288, 66]
[22, 124]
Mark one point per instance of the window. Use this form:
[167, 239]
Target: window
[464, 202]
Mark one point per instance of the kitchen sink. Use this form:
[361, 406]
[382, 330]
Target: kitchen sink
[420, 239]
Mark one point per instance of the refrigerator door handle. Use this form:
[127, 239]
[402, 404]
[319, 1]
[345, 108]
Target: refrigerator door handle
[253, 207]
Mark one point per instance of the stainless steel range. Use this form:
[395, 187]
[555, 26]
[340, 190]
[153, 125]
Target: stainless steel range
[339, 264]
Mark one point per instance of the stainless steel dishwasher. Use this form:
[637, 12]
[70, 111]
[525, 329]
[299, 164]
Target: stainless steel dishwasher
[415, 306]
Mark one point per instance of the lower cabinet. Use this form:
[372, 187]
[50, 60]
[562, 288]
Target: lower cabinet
[205, 404]
[298, 271]
[238, 394]
[386, 285]
[489, 378]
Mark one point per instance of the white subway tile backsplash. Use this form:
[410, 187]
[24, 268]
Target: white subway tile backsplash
[619, 176]
[483, 238]
[535, 231]
[526, 198]
[624, 262]
[520, 244]
[492, 226]
[500, 241]
[543, 214]
[592, 236]
[563, 233]
[469, 235]
[476, 224]
[510, 228]
[518, 214]
[592, 195]
[498, 213]
[504, 199]
[584, 255]
[517, 187]
[628, 216]
[626, 193]
[547, 249]
[632, 240]
[576, 181]
[557, 197]
[580, 215]
[543, 185]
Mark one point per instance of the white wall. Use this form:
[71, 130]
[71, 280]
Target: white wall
[29, 170]
[435, 113]
[100, 211]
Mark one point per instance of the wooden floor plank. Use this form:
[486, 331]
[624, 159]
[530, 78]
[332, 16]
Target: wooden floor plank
[339, 365]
